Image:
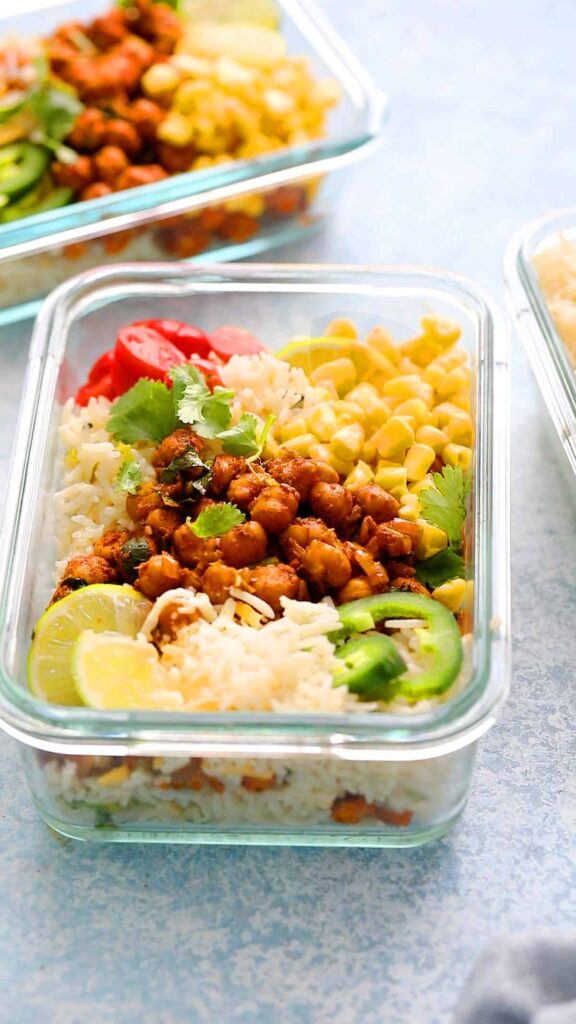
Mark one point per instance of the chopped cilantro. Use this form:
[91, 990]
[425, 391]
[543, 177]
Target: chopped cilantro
[444, 566]
[241, 438]
[144, 413]
[129, 475]
[445, 504]
[216, 520]
[188, 460]
[207, 411]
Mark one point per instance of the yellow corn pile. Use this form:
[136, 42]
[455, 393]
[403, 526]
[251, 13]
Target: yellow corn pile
[388, 421]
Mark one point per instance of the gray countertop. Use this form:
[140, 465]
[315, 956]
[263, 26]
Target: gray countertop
[481, 139]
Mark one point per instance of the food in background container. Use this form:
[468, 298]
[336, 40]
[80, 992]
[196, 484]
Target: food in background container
[556, 270]
[242, 531]
[143, 92]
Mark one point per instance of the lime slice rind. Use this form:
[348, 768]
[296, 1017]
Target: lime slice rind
[98, 608]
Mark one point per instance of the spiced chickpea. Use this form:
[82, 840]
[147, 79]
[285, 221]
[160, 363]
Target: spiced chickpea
[88, 131]
[332, 503]
[76, 176]
[377, 503]
[109, 163]
[96, 190]
[243, 545]
[275, 507]
[140, 505]
[224, 469]
[271, 582]
[124, 135]
[217, 580]
[132, 177]
[159, 574]
[244, 489]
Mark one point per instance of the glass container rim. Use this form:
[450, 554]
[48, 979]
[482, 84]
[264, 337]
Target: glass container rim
[455, 722]
[546, 351]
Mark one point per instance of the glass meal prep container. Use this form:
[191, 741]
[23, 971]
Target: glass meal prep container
[555, 375]
[175, 218]
[418, 765]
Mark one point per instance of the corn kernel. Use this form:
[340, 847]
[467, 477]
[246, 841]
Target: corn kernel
[407, 386]
[360, 475]
[323, 422]
[252, 205]
[460, 431]
[301, 444]
[446, 411]
[421, 349]
[394, 438]
[426, 394]
[409, 515]
[445, 332]
[454, 381]
[373, 407]
[452, 358]
[432, 540]
[347, 412]
[457, 455]
[407, 368]
[418, 460]
[393, 479]
[294, 428]
[320, 453]
[451, 594]
[369, 451]
[432, 436]
[415, 408]
[341, 327]
[433, 375]
[346, 443]
[115, 776]
[423, 484]
[379, 339]
[341, 372]
[176, 129]
[160, 80]
[462, 399]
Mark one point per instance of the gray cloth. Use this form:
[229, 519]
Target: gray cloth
[530, 979]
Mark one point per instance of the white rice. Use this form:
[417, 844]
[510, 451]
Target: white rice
[87, 504]
[264, 384]
[303, 792]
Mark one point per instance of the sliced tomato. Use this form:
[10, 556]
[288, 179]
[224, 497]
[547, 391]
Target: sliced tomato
[231, 341]
[103, 388]
[121, 378]
[188, 338]
[143, 352]
[102, 366]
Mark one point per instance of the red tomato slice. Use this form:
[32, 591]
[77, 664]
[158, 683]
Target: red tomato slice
[231, 341]
[143, 352]
[209, 369]
[101, 367]
[189, 339]
[121, 378]
[103, 388]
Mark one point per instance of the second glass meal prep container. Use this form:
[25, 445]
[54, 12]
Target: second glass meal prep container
[555, 375]
[39, 252]
[418, 765]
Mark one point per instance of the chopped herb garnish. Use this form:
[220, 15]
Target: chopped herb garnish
[445, 504]
[129, 475]
[188, 460]
[207, 411]
[144, 413]
[216, 520]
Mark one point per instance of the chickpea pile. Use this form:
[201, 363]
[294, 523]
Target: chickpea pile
[305, 534]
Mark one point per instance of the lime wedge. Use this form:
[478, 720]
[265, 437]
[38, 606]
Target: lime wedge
[100, 607]
[309, 353]
[115, 671]
[259, 12]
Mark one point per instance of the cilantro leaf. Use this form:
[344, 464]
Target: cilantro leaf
[144, 413]
[55, 108]
[216, 520]
[444, 566]
[445, 505]
[129, 475]
[188, 460]
[208, 411]
[241, 439]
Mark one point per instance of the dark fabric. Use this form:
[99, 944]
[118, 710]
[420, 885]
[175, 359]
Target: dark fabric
[529, 979]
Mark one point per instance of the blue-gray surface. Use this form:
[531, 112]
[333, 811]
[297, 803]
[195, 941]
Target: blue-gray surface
[481, 139]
